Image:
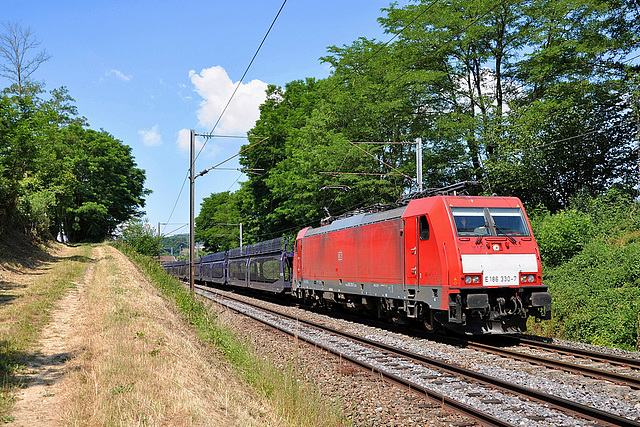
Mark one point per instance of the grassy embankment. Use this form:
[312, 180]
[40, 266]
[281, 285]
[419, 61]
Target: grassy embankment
[294, 400]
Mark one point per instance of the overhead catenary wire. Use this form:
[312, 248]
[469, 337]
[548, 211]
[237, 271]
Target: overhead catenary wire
[179, 228]
[227, 105]
[383, 162]
[232, 157]
[186, 178]
[224, 110]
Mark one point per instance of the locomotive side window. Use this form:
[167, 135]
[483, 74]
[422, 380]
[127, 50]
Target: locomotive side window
[424, 228]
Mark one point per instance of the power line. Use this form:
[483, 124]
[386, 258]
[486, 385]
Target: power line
[243, 75]
[225, 161]
[179, 228]
[226, 106]
[360, 173]
[178, 198]
[383, 162]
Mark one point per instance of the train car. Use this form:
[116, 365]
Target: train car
[468, 264]
[180, 269]
[172, 268]
[196, 270]
[213, 269]
[264, 266]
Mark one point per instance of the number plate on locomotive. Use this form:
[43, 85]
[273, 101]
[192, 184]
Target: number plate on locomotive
[509, 279]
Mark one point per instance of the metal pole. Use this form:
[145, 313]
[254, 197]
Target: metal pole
[419, 163]
[192, 211]
[240, 234]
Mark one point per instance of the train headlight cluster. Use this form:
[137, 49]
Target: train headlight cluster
[472, 279]
[527, 278]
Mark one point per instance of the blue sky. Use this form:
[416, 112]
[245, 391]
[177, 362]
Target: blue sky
[148, 71]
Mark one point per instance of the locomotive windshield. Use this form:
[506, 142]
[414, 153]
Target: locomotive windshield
[490, 222]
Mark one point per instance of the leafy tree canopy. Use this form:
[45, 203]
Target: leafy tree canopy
[57, 177]
[218, 224]
[140, 236]
[535, 99]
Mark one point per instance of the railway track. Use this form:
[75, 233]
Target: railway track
[579, 369]
[508, 347]
[482, 397]
[577, 352]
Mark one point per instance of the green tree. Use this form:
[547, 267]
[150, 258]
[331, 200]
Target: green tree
[48, 179]
[141, 237]
[580, 140]
[531, 98]
[218, 223]
[282, 115]
[23, 141]
[109, 188]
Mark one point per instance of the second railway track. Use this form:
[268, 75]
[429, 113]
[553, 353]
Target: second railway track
[576, 368]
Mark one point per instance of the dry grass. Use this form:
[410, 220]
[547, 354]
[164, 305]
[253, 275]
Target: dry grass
[132, 357]
[296, 401]
[141, 365]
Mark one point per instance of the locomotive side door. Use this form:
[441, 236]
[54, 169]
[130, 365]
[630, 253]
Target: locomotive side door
[411, 258]
[298, 260]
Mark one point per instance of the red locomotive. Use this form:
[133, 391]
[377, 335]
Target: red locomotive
[469, 264]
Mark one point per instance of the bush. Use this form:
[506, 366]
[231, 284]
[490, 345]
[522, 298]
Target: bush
[141, 237]
[596, 295]
[591, 255]
[561, 236]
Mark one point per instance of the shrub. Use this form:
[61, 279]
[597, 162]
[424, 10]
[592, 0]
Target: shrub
[561, 236]
[596, 295]
[141, 237]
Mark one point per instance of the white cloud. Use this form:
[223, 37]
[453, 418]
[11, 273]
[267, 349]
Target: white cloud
[151, 137]
[119, 75]
[215, 87]
[184, 141]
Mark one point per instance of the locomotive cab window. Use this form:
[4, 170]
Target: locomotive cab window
[424, 228]
[490, 222]
[509, 221]
[470, 221]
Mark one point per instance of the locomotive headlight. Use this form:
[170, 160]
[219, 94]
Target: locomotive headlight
[472, 279]
[527, 278]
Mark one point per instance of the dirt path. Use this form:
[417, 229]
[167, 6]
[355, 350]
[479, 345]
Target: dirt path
[116, 353]
[38, 402]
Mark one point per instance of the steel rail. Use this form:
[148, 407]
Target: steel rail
[621, 379]
[607, 358]
[562, 404]
[467, 410]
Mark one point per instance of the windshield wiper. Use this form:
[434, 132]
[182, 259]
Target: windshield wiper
[504, 232]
